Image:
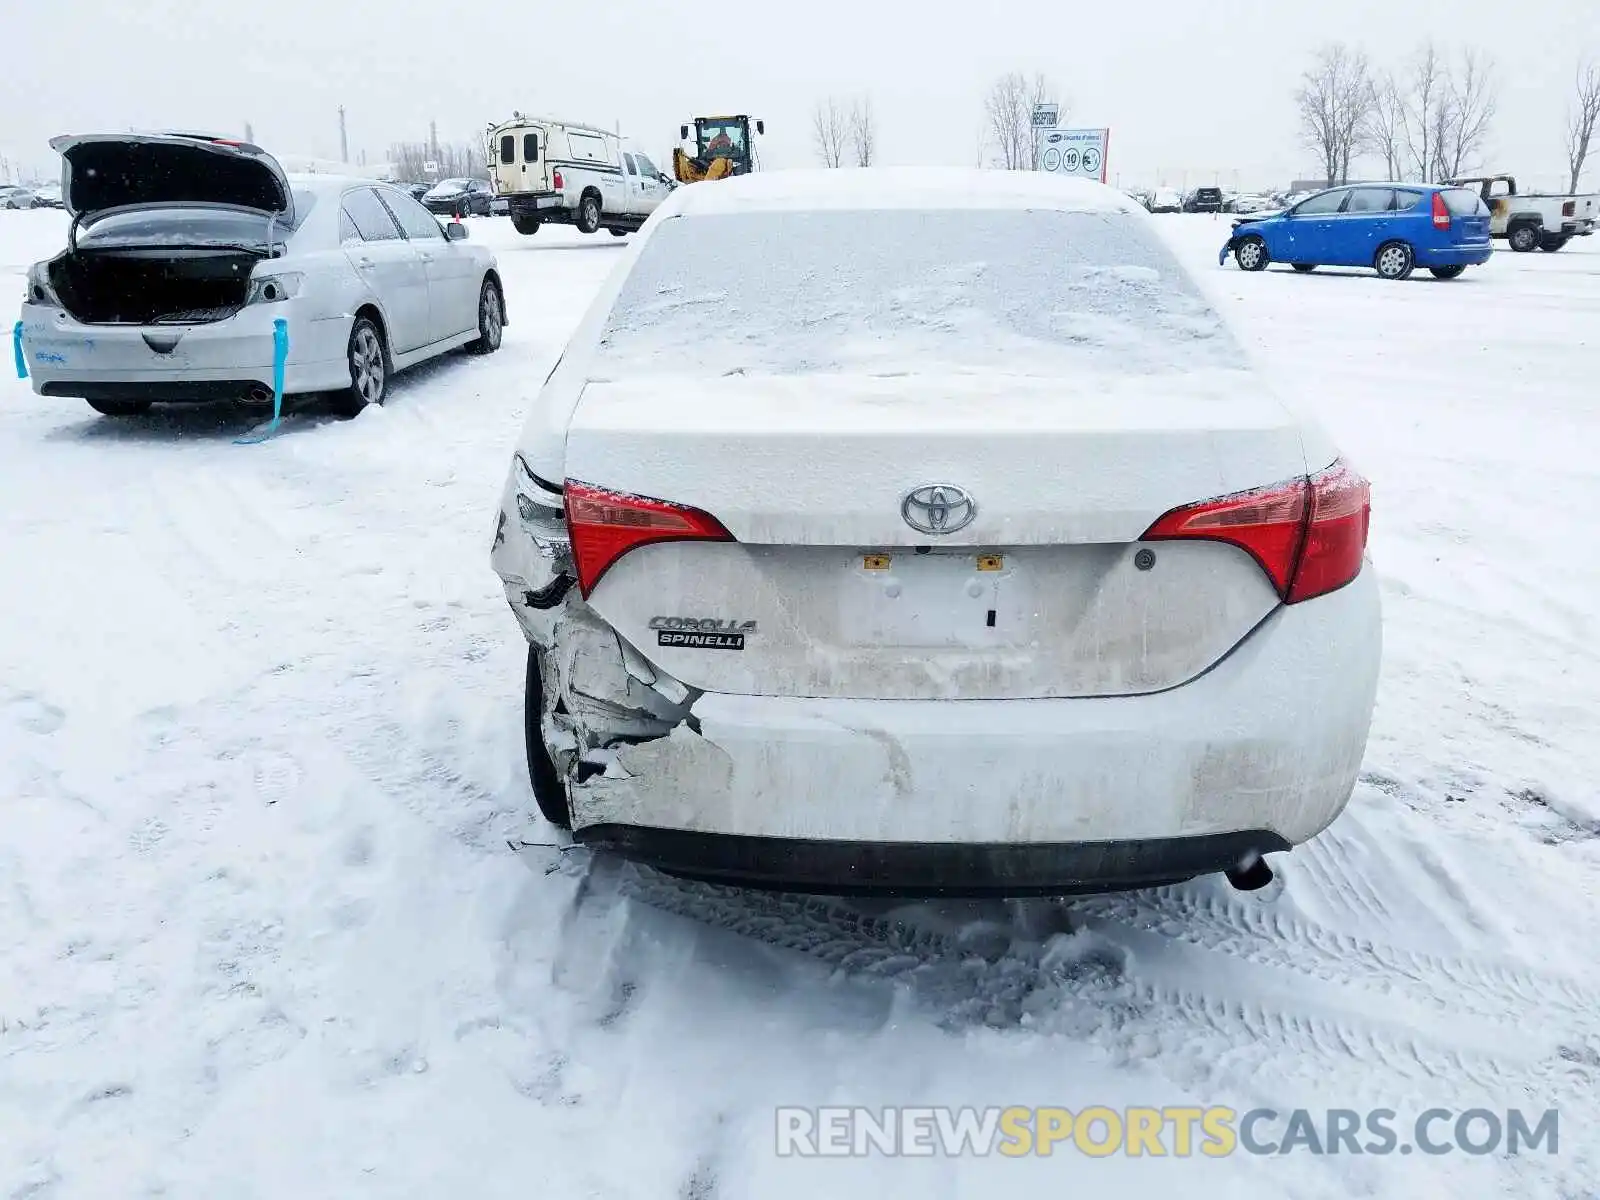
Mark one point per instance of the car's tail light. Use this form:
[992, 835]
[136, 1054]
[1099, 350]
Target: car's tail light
[1309, 535]
[1441, 212]
[605, 525]
[1570, 208]
[557, 182]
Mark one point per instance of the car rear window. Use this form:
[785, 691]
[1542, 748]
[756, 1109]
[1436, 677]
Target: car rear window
[1017, 292]
[1464, 203]
[197, 226]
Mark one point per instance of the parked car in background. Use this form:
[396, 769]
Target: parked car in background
[553, 172]
[15, 196]
[1166, 200]
[1533, 220]
[47, 195]
[998, 643]
[417, 190]
[459, 198]
[1251, 203]
[187, 252]
[1204, 200]
[1392, 228]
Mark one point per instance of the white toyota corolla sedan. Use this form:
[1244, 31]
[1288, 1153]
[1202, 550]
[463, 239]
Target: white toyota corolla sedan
[185, 252]
[929, 532]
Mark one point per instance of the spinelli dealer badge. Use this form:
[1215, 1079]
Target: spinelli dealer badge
[701, 633]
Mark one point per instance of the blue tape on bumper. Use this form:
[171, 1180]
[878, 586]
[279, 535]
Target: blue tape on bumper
[280, 357]
[16, 346]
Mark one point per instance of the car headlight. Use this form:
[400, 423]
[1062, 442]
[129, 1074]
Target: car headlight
[270, 289]
[38, 289]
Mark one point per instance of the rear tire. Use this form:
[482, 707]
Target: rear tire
[1524, 238]
[1251, 254]
[1551, 242]
[614, 232]
[549, 791]
[368, 360]
[1453, 272]
[1395, 261]
[524, 224]
[1305, 268]
[117, 408]
[589, 213]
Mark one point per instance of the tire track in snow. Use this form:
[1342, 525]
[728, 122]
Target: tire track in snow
[1092, 986]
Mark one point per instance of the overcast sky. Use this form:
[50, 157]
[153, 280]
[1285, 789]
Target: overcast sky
[1192, 91]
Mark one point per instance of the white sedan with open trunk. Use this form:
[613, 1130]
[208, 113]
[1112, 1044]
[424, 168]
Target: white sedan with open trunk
[185, 253]
[930, 532]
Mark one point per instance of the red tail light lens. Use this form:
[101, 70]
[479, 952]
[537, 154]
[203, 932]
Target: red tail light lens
[1569, 208]
[1336, 537]
[1309, 535]
[1441, 212]
[605, 525]
[557, 182]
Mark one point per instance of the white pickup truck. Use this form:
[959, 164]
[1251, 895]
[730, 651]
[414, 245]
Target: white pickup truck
[1531, 220]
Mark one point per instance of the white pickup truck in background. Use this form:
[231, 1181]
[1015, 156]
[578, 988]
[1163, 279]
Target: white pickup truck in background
[1530, 220]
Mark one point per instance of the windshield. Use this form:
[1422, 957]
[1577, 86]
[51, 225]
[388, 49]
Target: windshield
[197, 226]
[1043, 293]
[452, 185]
[726, 137]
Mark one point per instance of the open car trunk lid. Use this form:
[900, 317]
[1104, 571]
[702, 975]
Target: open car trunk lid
[1041, 594]
[105, 171]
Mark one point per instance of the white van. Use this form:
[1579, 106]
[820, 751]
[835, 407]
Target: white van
[555, 171]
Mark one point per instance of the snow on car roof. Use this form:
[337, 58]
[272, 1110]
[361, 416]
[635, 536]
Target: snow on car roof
[899, 187]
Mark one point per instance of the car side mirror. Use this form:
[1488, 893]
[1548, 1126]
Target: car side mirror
[683, 133]
[455, 232]
[761, 128]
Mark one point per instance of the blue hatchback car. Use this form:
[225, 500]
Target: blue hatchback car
[1391, 227]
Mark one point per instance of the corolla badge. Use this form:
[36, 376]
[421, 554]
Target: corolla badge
[938, 508]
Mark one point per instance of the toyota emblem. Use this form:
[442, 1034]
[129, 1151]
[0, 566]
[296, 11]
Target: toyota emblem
[938, 508]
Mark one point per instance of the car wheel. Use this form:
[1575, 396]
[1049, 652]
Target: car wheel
[589, 213]
[1303, 268]
[524, 224]
[1251, 254]
[617, 232]
[1524, 238]
[491, 319]
[1394, 260]
[119, 408]
[1551, 242]
[369, 369]
[1446, 272]
[549, 792]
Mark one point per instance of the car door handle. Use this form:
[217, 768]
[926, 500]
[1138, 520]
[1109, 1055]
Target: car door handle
[363, 261]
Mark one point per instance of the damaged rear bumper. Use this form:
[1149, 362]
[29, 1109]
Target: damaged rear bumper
[1258, 754]
[930, 868]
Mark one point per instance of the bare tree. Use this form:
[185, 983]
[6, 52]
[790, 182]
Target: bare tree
[863, 131]
[1582, 118]
[1335, 99]
[829, 127]
[1472, 102]
[1386, 119]
[1008, 114]
[454, 161]
[1426, 112]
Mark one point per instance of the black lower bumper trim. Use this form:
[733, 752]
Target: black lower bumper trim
[194, 391]
[929, 868]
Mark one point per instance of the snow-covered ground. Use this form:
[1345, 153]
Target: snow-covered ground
[261, 934]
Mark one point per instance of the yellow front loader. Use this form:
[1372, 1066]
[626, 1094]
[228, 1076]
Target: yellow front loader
[723, 147]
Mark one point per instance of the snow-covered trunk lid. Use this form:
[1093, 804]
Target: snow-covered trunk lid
[1036, 586]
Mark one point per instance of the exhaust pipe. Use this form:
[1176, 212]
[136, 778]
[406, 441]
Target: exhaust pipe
[1251, 875]
[260, 393]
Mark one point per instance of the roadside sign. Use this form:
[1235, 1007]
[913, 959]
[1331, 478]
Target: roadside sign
[1080, 153]
[1045, 116]
[430, 168]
